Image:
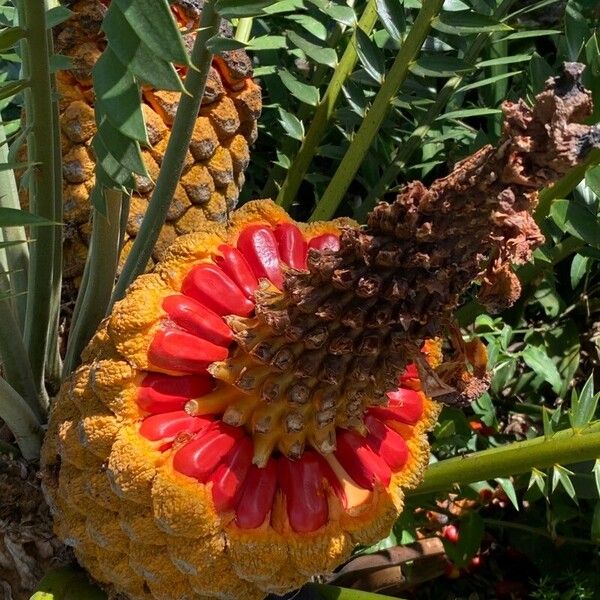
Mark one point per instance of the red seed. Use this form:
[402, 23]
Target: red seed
[359, 460]
[387, 443]
[228, 479]
[208, 284]
[292, 246]
[177, 350]
[407, 404]
[237, 268]
[327, 241]
[301, 482]
[257, 496]
[159, 393]
[259, 246]
[202, 456]
[195, 318]
[168, 425]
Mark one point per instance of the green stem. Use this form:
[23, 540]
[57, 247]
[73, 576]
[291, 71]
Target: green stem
[103, 258]
[565, 447]
[244, 29]
[373, 120]
[16, 368]
[17, 256]
[324, 112]
[53, 359]
[21, 421]
[42, 199]
[415, 140]
[174, 159]
[289, 146]
[559, 539]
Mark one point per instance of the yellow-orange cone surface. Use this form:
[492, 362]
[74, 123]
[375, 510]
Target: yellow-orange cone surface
[175, 471]
[218, 154]
[251, 409]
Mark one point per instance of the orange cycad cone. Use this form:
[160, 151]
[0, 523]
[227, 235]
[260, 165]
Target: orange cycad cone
[169, 481]
[258, 404]
[219, 152]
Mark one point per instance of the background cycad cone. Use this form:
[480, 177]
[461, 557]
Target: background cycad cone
[218, 155]
[255, 407]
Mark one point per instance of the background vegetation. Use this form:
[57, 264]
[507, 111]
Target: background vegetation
[361, 97]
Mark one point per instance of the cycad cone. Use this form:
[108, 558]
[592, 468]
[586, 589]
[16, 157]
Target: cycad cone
[218, 155]
[162, 503]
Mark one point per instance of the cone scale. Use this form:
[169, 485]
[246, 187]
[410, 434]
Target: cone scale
[218, 156]
[257, 405]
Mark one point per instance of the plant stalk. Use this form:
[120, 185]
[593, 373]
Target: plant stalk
[21, 421]
[16, 368]
[244, 29]
[94, 297]
[40, 147]
[374, 118]
[174, 159]
[53, 358]
[564, 447]
[17, 256]
[415, 140]
[324, 112]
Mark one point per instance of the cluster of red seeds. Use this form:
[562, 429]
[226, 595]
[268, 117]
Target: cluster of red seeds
[205, 448]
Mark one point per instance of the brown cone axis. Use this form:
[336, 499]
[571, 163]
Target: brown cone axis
[219, 151]
[346, 327]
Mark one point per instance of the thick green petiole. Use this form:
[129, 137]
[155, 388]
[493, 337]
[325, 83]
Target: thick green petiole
[42, 190]
[374, 118]
[174, 159]
[564, 447]
[324, 112]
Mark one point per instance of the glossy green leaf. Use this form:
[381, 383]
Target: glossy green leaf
[234, 9]
[509, 488]
[57, 15]
[118, 97]
[562, 476]
[322, 56]
[370, 56]
[9, 36]
[312, 25]
[469, 112]
[537, 359]
[156, 27]
[488, 81]
[292, 125]
[7, 90]
[530, 33]
[462, 22]
[574, 218]
[136, 55]
[583, 405]
[219, 44]
[60, 62]
[430, 65]
[13, 217]
[503, 60]
[391, 14]
[267, 42]
[596, 473]
[125, 150]
[342, 14]
[304, 92]
[538, 480]
[579, 267]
